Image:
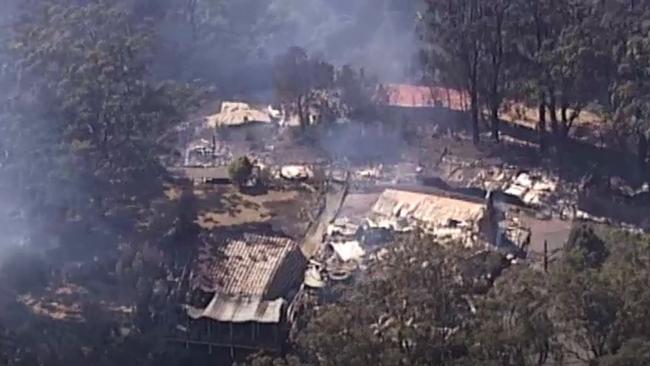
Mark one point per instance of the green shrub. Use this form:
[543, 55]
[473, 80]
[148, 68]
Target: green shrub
[240, 170]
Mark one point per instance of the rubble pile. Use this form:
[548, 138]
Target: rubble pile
[446, 218]
[371, 175]
[459, 171]
[348, 242]
[343, 253]
[202, 153]
[514, 235]
[532, 187]
[343, 227]
[535, 189]
[296, 172]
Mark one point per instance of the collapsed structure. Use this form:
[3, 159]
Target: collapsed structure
[242, 285]
[442, 215]
[448, 217]
[237, 114]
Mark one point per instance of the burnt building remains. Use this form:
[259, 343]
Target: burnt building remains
[241, 289]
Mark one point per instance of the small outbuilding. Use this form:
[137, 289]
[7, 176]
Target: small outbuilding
[247, 282]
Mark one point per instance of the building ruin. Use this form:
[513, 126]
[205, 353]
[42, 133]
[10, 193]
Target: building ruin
[241, 289]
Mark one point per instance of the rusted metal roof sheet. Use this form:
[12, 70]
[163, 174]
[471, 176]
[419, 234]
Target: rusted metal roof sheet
[249, 265]
[416, 96]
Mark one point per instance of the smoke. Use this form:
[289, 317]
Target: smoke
[235, 52]
[377, 35]
[9, 231]
[238, 40]
[359, 143]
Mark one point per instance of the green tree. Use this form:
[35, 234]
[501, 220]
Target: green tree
[513, 325]
[585, 249]
[415, 307]
[495, 41]
[599, 302]
[536, 25]
[451, 31]
[240, 170]
[358, 93]
[83, 80]
[298, 80]
[560, 67]
[630, 103]
[409, 310]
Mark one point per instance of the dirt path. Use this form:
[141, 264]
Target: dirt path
[333, 202]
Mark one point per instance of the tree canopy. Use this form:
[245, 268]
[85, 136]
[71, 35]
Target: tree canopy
[560, 57]
[414, 307]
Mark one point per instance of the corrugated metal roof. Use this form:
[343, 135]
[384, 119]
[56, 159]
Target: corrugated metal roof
[427, 208]
[240, 309]
[250, 265]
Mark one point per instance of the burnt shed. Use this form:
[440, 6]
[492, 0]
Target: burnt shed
[248, 280]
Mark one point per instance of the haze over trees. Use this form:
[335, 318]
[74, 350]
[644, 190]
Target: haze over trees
[85, 115]
[559, 57]
[80, 168]
[308, 87]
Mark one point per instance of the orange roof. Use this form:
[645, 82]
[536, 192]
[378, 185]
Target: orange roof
[405, 95]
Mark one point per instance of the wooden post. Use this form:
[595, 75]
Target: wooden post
[275, 335]
[232, 349]
[209, 323]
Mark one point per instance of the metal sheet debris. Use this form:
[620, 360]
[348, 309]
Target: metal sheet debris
[349, 250]
[296, 172]
[313, 278]
[240, 309]
[342, 227]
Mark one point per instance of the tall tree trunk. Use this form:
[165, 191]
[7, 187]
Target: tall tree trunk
[497, 59]
[564, 127]
[191, 13]
[642, 150]
[552, 108]
[474, 98]
[494, 116]
[541, 126]
[494, 101]
[301, 113]
[474, 112]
